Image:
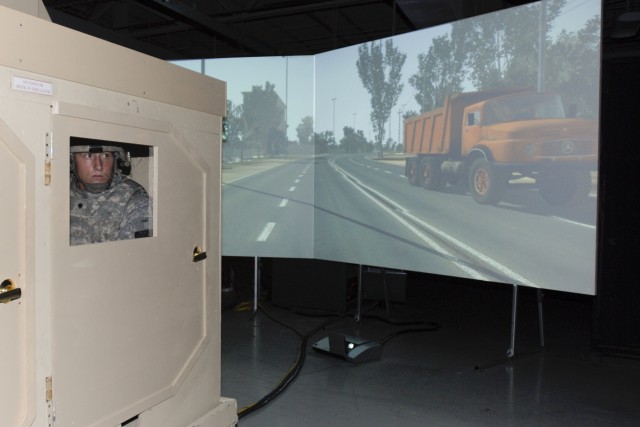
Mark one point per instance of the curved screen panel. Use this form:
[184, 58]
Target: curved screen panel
[468, 149]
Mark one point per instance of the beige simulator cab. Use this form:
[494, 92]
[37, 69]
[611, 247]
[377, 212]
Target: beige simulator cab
[123, 332]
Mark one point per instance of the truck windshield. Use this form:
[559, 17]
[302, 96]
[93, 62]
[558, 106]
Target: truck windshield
[523, 107]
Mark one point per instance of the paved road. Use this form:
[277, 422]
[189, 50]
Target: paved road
[357, 209]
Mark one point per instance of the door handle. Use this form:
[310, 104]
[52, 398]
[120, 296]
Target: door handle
[9, 292]
[198, 254]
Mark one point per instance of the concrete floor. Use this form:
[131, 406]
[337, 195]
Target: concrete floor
[458, 375]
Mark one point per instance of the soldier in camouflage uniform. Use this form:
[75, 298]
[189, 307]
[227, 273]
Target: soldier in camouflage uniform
[105, 205]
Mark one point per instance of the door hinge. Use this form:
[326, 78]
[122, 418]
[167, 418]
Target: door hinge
[49, 389]
[48, 156]
[51, 409]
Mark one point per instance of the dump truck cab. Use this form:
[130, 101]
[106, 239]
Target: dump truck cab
[528, 128]
[485, 139]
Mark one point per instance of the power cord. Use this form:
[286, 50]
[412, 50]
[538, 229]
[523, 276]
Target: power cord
[293, 371]
[428, 327]
[296, 367]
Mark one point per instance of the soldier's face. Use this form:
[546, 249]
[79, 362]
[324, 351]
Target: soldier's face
[94, 168]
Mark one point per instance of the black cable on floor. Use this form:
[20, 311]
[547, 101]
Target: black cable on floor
[295, 368]
[427, 326]
[293, 371]
[432, 328]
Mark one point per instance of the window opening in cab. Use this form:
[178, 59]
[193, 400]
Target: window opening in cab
[111, 184]
[473, 118]
[531, 106]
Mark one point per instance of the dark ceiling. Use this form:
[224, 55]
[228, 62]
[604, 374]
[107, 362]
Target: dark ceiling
[189, 29]
[194, 29]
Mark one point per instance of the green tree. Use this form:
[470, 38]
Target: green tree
[323, 141]
[504, 53]
[440, 73]
[484, 50]
[353, 141]
[523, 68]
[304, 131]
[572, 70]
[409, 113]
[232, 128]
[277, 143]
[262, 112]
[380, 73]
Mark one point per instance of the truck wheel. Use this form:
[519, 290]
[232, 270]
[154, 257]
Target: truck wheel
[412, 171]
[486, 183]
[564, 187]
[430, 173]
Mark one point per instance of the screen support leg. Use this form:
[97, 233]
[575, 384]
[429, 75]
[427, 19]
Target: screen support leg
[359, 298]
[511, 351]
[256, 287]
[540, 317]
[385, 293]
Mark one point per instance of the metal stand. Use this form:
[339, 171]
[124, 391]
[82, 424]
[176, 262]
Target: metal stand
[351, 348]
[385, 293]
[359, 298]
[540, 296]
[511, 351]
[256, 283]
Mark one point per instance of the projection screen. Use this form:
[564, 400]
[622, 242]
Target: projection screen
[467, 149]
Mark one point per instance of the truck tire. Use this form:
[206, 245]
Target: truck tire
[430, 174]
[564, 187]
[486, 184]
[411, 171]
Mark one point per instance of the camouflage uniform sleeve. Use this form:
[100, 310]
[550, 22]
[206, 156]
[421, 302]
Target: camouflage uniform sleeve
[137, 216]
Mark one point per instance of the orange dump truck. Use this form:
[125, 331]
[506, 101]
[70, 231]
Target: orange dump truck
[485, 139]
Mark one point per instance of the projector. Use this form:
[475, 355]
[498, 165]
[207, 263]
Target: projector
[351, 349]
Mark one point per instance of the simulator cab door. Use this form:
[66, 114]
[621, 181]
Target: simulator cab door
[16, 280]
[129, 316]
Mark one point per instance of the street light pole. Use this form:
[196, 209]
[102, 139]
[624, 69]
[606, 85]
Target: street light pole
[400, 111]
[334, 117]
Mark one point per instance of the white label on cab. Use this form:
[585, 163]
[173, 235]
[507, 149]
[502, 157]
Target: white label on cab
[30, 85]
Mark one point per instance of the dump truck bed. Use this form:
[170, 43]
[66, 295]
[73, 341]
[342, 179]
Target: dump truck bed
[440, 131]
